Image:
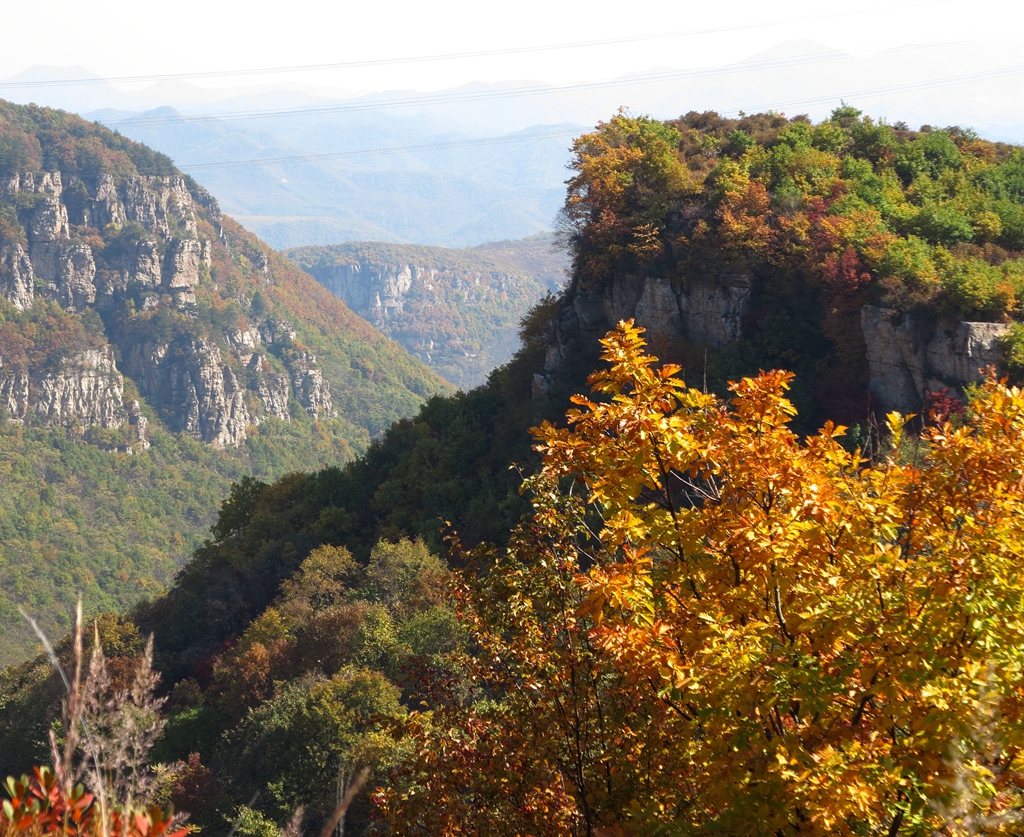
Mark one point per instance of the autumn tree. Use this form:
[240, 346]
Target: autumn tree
[714, 626]
[627, 175]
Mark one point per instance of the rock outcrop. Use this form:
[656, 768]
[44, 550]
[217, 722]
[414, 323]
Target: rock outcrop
[198, 385]
[16, 285]
[158, 204]
[181, 270]
[310, 386]
[68, 272]
[213, 403]
[146, 265]
[456, 310]
[273, 391]
[86, 390]
[374, 290]
[907, 360]
[707, 312]
[200, 393]
[380, 291]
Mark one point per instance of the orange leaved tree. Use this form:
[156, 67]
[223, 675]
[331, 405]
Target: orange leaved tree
[713, 626]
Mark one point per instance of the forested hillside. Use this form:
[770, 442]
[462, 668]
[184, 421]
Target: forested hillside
[152, 352]
[456, 310]
[689, 610]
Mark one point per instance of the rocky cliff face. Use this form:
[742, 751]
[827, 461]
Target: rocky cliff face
[85, 390]
[380, 292]
[908, 359]
[129, 245]
[707, 312]
[457, 310]
[16, 276]
[375, 291]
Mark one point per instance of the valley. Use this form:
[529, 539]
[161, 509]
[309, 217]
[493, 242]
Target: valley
[153, 352]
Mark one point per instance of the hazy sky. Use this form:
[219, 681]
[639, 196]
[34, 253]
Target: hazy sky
[129, 38]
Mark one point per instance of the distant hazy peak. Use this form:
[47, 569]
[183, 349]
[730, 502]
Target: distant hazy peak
[42, 72]
[795, 49]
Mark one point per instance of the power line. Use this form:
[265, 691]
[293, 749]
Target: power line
[374, 152]
[416, 59]
[459, 97]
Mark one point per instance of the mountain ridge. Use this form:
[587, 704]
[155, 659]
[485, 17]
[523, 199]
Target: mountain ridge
[456, 310]
[138, 321]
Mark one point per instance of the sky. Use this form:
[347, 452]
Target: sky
[121, 38]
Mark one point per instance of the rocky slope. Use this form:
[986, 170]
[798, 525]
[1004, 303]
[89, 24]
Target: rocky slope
[908, 357]
[133, 311]
[457, 310]
[192, 308]
[187, 376]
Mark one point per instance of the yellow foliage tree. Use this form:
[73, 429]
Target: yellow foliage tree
[627, 173]
[754, 633]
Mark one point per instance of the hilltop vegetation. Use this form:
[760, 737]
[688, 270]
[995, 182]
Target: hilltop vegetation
[823, 219]
[456, 310]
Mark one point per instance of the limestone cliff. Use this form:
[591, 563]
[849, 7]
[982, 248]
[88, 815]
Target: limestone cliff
[908, 359]
[457, 310]
[132, 248]
[708, 312]
[86, 389]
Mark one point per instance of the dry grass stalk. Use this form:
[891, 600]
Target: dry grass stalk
[114, 731]
[339, 812]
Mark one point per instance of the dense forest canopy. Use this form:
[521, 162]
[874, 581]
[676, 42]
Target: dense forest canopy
[929, 217]
[712, 626]
[823, 219]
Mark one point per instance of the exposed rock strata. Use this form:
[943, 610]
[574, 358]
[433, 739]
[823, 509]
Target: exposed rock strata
[310, 386]
[16, 284]
[87, 389]
[376, 291]
[146, 266]
[707, 312]
[200, 393]
[198, 386]
[380, 291]
[457, 311]
[273, 391]
[907, 362]
[68, 272]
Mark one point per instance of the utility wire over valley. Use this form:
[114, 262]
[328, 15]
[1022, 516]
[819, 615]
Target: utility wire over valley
[462, 96]
[452, 56]
[565, 132]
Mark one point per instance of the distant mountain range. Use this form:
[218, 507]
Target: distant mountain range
[475, 192]
[454, 196]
